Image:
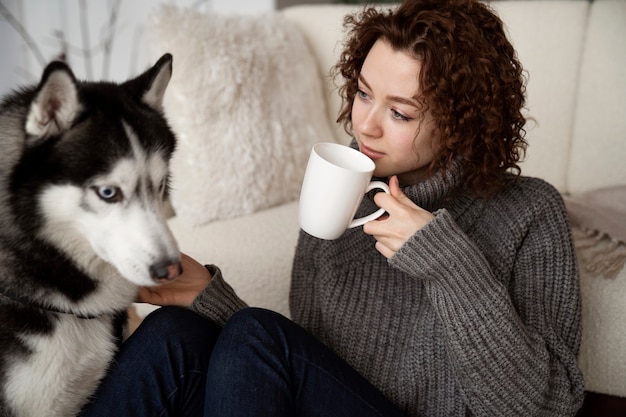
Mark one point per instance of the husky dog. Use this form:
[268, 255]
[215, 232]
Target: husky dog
[83, 179]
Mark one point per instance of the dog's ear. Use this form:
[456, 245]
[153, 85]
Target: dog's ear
[150, 86]
[56, 102]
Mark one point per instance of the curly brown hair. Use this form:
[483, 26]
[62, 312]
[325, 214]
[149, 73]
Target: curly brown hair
[471, 81]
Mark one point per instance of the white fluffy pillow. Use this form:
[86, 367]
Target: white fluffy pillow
[246, 102]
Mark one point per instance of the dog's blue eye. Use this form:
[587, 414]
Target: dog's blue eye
[109, 193]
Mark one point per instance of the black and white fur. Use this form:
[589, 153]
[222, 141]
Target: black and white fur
[83, 179]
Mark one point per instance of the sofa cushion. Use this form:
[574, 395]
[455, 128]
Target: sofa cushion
[245, 101]
[599, 136]
[255, 252]
[601, 357]
[550, 53]
[322, 27]
[600, 238]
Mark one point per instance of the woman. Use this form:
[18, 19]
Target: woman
[464, 300]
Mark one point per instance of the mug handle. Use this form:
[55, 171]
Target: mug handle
[362, 220]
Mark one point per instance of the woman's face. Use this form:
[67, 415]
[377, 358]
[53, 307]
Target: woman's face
[386, 118]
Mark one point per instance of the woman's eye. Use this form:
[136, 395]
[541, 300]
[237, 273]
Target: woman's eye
[399, 116]
[108, 193]
[362, 94]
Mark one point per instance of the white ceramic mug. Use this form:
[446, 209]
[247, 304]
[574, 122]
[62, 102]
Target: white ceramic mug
[336, 179]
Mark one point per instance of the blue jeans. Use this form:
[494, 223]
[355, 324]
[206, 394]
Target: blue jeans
[160, 370]
[259, 364]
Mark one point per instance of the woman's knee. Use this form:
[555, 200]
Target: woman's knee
[256, 323]
[256, 314]
[249, 347]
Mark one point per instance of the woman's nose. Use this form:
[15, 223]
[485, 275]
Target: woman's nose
[370, 124]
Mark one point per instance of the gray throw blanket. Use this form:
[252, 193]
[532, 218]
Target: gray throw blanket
[598, 221]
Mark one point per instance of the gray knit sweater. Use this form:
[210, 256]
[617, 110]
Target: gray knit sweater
[477, 314]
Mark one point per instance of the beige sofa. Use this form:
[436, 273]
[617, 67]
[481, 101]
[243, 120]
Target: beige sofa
[574, 52]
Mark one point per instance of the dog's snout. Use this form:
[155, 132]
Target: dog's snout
[165, 271]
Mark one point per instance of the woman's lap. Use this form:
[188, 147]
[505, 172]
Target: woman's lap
[266, 365]
[260, 364]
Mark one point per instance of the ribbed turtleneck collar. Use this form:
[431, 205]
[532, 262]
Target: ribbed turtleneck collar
[434, 192]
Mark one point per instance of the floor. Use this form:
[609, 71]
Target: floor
[602, 405]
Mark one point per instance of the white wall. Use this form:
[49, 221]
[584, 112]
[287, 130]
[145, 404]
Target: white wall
[84, 31]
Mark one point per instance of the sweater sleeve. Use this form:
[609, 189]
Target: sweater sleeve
[512, 337]
[218, 301]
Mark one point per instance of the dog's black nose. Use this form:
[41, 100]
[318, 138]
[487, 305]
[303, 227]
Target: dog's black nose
[165, 271]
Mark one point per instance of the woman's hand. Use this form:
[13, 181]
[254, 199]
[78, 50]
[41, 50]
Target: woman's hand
[180, 292]
[403, 220]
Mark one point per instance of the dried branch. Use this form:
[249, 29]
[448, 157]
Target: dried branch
[62, 41]
[109, 37]
[82, 4]
[30, 42]
[134, 54]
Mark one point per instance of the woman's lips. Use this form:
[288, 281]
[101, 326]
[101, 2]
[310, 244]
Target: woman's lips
[372, 154]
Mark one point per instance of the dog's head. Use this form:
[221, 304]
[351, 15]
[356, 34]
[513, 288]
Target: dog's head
[93, 175]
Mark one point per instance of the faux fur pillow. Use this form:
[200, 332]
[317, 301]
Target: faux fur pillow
[246, 103]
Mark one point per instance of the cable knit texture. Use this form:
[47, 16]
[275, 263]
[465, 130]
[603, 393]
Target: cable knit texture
[477, 314]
